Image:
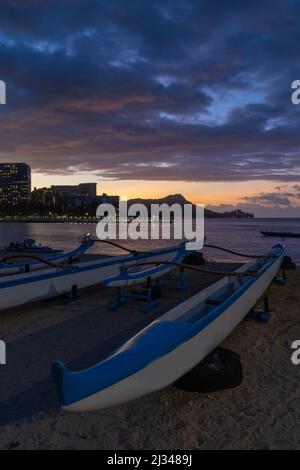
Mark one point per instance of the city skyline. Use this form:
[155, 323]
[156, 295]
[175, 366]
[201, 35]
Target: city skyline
[157, 98]
[134, 193]
[144, 189]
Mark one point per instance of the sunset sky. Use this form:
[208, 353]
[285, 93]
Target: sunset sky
[155, 98]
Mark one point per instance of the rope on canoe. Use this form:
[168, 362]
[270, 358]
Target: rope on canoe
[128, 250]
[195, 268]
[108, 242]
[122, 247]
[206, 245]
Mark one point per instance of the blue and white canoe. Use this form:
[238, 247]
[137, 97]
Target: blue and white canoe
[170, 346]
[24, 267]
[20, 289]
[133, 274]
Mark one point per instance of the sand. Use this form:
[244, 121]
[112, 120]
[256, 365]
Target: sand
[262, 413]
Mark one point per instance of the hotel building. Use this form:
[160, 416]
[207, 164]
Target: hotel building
[15, 183]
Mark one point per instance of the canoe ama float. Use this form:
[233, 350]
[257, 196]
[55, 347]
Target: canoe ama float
[172, 345]
[133, 274]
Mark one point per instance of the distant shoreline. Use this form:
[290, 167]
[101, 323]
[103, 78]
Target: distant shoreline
[46, 221]
[40, 221]
[81, 221]
[94, 221]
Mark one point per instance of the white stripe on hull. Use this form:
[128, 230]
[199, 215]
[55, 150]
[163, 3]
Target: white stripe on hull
[167, 369]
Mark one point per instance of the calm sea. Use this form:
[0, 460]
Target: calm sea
[238, 234]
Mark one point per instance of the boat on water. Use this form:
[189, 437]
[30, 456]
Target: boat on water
[20, 289]
[29, 263]
[172, 345]
[30, 246]
[280, 234]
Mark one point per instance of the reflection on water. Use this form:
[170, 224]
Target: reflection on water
[239, 234]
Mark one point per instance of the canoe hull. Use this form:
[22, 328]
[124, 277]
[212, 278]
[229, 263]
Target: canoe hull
[26, 288]
[168, 368]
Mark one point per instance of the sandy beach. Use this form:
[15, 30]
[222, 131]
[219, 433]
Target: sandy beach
[262, 413]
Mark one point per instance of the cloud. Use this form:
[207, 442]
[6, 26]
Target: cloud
[269, 199]
[281, 198]
[284, 201]
[203, 88]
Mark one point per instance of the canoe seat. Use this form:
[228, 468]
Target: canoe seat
[199, 311]
[221, 296]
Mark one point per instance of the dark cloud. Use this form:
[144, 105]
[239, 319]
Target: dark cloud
[269, 199]
[193, 90]
[284, 201]
[281, 198]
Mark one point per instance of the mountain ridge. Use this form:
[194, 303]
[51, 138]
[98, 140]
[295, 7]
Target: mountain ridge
[180, 199]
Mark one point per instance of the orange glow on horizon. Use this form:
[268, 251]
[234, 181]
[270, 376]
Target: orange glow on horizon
[210, 193]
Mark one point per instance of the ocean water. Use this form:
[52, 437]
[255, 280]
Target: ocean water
[238, 234]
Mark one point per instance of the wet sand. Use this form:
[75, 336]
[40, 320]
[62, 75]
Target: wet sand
[262, 413]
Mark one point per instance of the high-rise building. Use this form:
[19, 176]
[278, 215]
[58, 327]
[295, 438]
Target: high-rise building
[84, 189]
[15, 183]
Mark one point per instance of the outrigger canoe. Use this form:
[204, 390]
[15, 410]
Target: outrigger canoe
[281, 234]
[20, 289]
[28, 266]
[30, 246]
[172, 345]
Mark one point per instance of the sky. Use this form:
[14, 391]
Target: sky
[156, 98]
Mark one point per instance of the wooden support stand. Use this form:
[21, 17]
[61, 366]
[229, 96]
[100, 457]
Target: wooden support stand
[262, 316]
[72, 296]
[145, 294]
[283, 281]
